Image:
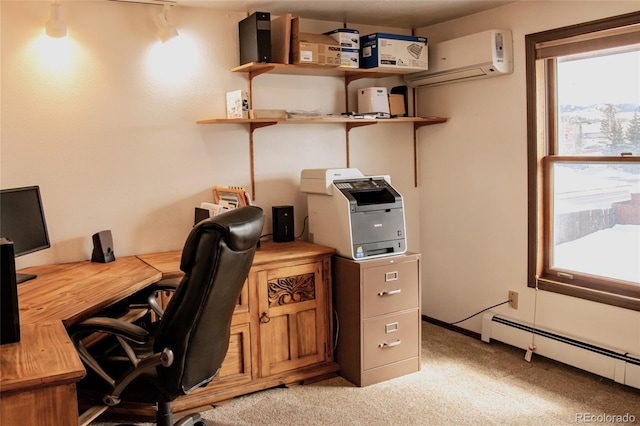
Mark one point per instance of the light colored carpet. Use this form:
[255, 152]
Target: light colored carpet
[463, 381]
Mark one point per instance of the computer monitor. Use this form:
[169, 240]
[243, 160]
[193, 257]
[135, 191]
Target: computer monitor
[22, 222]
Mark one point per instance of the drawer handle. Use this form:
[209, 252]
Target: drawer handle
[264, 318]
[391, 276]
[389, 292]
[389, 345]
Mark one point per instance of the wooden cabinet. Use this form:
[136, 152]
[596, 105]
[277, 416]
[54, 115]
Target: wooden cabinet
[281, 327]
[293, 317]
[378, 312]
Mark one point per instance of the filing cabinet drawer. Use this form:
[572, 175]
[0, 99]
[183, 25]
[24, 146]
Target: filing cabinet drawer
[391, 338]
[389, 288]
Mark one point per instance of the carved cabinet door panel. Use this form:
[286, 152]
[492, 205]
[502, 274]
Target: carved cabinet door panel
[292, 317]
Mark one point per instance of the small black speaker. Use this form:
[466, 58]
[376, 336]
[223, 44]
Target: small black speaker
[103, 247]
[282, 221]
[200, 215]
[9, 314]
[255, 38]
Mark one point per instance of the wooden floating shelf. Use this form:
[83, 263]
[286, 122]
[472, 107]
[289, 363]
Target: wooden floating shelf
[418, 121]
[254, 69]
[257, 68]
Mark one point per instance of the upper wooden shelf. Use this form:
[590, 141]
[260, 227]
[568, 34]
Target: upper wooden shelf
[256, 68]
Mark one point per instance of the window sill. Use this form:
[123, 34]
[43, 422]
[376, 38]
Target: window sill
[608, 298]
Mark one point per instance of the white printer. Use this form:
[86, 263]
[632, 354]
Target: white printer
[362, 217]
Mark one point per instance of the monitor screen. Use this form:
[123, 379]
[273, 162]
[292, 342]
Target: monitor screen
[22, 219]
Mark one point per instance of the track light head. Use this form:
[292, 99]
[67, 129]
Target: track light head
[55, 25]
[165, 31]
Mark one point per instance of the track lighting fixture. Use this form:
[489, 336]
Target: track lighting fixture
[165, 31]
[55, 25]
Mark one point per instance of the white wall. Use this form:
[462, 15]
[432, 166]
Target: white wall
[473, 189]
[104, 121]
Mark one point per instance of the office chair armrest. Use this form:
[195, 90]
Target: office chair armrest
[164, 358]
[122, 330]
[113, 326]
[168, 284]
[149, 295]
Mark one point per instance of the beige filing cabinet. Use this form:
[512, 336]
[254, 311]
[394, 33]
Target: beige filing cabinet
[377, 303]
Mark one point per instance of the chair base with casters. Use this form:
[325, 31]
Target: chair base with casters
[164, 412]
[184, 349]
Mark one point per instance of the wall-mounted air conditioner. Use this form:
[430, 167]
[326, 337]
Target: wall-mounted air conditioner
[481, 55]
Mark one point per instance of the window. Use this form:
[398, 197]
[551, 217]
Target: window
[583, 120]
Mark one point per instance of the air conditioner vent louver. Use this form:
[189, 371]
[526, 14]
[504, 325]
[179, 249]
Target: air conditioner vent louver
[486, 54]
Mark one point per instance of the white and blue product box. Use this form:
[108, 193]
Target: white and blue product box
[349, 41]
[350, 58]
[393, 51]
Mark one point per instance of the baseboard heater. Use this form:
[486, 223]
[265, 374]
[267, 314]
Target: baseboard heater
[621, 367]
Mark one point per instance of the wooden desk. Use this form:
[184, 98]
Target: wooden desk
[71, 292]
[38, 377]
[38, 373]
[274, 341]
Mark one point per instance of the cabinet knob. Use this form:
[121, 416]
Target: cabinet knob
[264, 318]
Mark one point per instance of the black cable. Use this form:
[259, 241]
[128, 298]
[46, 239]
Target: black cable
[477, 313]
[304, 226]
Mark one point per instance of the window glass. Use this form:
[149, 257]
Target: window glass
[596, 206]
[599, 103]
[596, 219]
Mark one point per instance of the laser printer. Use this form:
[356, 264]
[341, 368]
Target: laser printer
[362, 217]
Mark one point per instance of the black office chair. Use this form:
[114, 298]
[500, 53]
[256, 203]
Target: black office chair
[185, 348]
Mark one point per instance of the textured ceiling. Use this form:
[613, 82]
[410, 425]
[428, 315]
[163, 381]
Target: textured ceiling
[389, 13]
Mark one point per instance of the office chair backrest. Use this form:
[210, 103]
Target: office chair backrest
[216, 259]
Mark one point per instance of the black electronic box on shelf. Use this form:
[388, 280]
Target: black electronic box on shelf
[255, 38]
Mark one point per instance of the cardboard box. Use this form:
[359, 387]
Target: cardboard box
[268, 113]
[346, 38]
[393, 51]
[237, 104]
[317, 49]
[281, 38]
[396, 105]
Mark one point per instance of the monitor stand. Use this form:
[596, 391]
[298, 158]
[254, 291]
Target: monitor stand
[20, 278]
